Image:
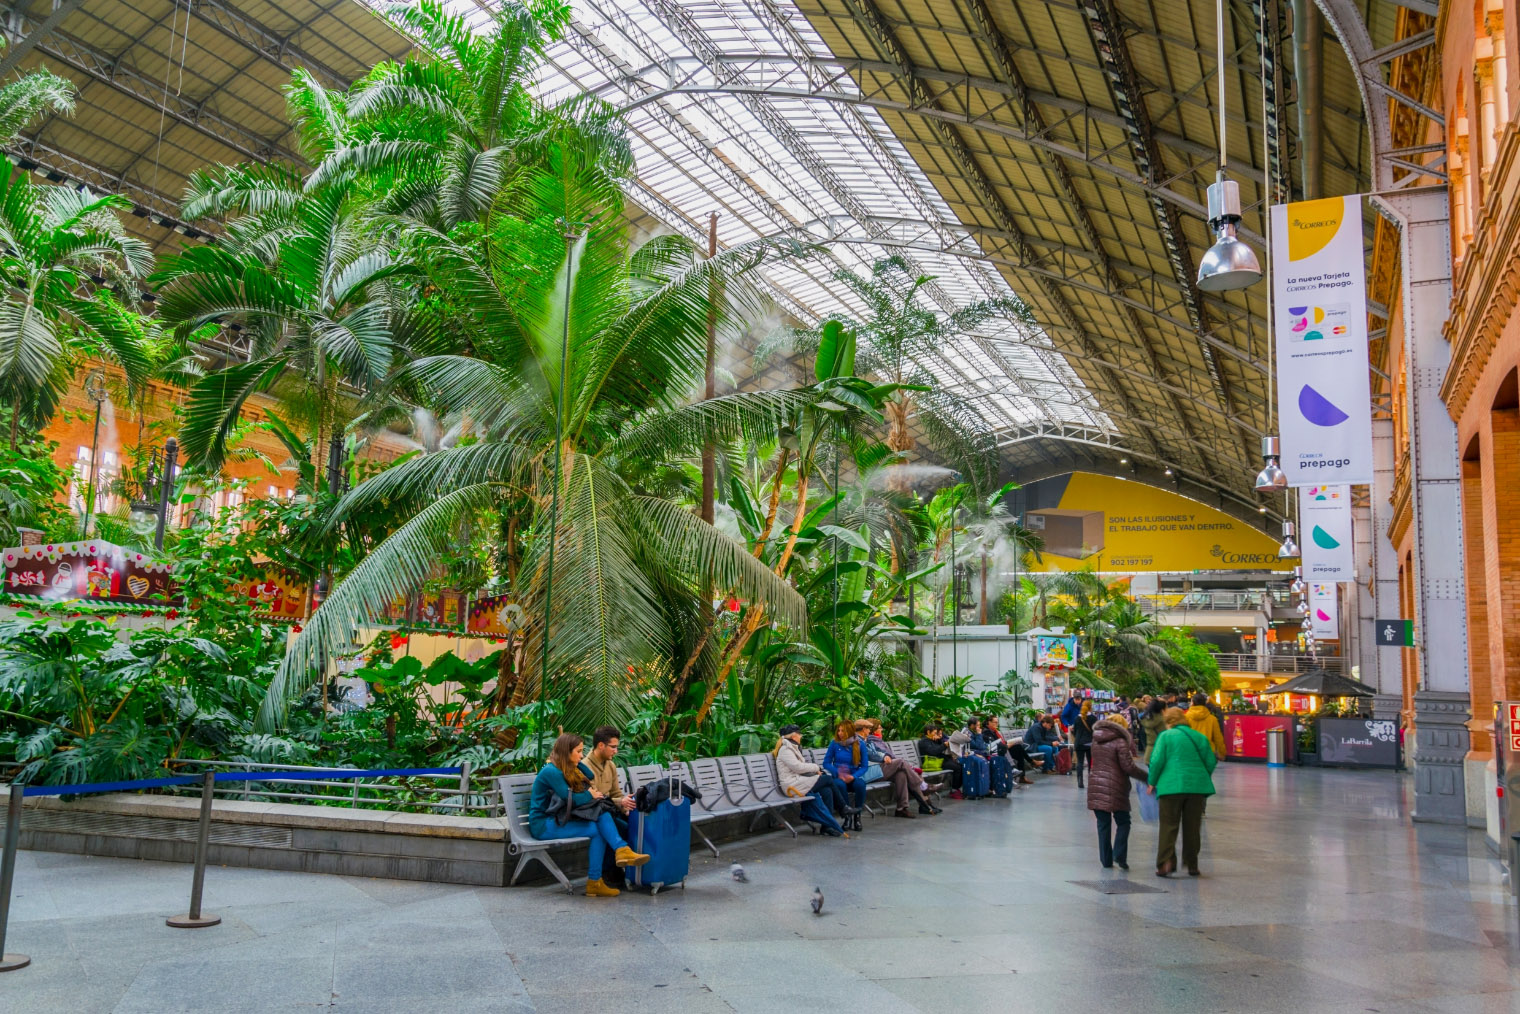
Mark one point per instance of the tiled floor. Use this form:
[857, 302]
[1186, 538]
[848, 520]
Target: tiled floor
[1319, 895]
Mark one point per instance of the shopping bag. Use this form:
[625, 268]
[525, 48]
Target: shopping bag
[934, 763]
[1150, 806]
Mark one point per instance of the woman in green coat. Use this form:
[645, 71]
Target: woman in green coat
[1181, 763]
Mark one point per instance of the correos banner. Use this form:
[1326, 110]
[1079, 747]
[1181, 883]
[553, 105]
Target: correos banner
[1113, 524]
[1319, 293]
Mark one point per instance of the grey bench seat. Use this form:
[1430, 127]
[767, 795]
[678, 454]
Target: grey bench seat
[516, 794]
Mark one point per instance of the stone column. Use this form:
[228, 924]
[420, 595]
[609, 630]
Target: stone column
[1442, 703]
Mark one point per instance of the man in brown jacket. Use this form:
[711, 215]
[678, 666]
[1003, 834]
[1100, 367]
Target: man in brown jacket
[602, 760]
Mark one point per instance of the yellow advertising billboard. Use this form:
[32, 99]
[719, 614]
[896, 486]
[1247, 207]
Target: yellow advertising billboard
[1112, 524]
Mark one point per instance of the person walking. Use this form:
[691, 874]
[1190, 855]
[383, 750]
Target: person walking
[1113, 764]
[1082, 737]
[1181, 768]
[1152, 724]
[1202, 719]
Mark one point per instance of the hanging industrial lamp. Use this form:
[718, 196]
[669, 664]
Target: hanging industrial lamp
[1299, 585]
[1289, 548]
[1271, 478]
[1229, 263]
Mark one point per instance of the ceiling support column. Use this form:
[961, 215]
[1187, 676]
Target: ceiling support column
[1445, 791]
[1308, 76]
[1377, 578]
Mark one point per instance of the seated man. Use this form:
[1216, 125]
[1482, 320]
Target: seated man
[1041, 738]
[1000, 747]
[602, 762]
[933, 745]
[905, 780]
[972, 751]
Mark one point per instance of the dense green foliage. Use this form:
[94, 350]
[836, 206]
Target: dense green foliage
[458, 261]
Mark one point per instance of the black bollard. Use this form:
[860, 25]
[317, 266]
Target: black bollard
[10, 962]
[193, 919]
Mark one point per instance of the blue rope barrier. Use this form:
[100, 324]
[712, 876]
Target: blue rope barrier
[92, 788]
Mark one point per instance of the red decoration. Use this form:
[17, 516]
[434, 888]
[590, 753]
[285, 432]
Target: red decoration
[173, 614]
[397, 640]
[732, 605]
[296, 628]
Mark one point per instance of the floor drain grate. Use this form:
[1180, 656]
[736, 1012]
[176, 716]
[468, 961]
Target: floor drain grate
[1118, 887]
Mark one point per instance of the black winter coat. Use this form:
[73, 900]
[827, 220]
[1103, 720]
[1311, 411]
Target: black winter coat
[1113, 764]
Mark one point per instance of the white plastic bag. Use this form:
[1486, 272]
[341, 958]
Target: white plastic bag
[1150, 806]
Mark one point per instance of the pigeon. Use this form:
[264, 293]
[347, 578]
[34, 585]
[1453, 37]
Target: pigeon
[738, 873]
[817, 901]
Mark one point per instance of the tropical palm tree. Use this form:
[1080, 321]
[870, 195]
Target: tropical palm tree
[899, 337]
[33, 94]
[560, 361]
[452, 133]
[309, 275]
[55, 243]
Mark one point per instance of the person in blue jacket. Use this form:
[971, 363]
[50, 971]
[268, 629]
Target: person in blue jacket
[1070, 712]
[565, 777]
[848, 760]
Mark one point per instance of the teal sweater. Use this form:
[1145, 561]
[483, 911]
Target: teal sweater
[1181, 762]
[551, 782]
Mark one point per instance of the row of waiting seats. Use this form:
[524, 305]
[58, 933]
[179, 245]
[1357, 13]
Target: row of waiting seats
[730, 786]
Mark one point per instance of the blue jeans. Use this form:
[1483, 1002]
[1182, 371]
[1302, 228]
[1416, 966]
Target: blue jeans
[830, 791]
[1047, 756]
[603, 834]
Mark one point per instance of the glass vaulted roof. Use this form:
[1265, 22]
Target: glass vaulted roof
[772, 165]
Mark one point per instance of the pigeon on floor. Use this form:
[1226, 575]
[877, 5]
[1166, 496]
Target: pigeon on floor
[738, 873]
[817, 901]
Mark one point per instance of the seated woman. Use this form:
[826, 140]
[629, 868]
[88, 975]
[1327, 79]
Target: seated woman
[564, 785]
[904, 778]
[932, 744]
[847, 759]
[800, 777]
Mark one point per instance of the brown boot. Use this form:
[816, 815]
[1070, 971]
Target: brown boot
[904, 812]
[628, 857]
[597, 889]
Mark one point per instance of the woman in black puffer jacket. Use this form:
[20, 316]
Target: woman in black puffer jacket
[1113, 764]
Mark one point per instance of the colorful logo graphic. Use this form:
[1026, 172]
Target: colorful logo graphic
[1322, 616]
[1323, 493]
[1312, 323]
[1323, 540]
[1318, 409]
[1312, 225]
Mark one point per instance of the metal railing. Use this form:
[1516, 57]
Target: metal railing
[1284, 664]
[1237, 601]
[462, 795]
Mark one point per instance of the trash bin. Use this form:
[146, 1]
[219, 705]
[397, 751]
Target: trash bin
[1277, 747]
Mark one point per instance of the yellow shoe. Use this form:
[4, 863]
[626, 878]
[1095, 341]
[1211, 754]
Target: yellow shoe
[597, 889]
[628, 857]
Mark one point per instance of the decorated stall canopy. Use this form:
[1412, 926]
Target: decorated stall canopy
[278, 598]
[497, 616]
[1055, 651]
[1114, 524]
[88, 569]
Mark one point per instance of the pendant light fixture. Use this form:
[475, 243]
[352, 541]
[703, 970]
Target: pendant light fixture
[1289, 548]
[1229, 263]
[1271, 478]
[1299, 585]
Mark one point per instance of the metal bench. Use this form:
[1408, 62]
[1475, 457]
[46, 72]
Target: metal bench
[516, 794]
[767, 789]
[909, 752]
[710, 807]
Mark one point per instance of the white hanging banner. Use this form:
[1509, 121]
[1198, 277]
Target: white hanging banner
[1324, 533]
[1319, 297]
[1324, 610]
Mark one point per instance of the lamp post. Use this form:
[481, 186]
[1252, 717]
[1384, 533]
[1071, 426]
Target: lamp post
[166, 489]
[95, 390]
[149, 514]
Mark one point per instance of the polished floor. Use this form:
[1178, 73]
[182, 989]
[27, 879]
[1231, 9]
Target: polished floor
[1318, 896]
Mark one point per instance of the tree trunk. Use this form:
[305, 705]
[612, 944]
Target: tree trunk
[756, 614]
[15, 423]
[982, 611]
[899, 437]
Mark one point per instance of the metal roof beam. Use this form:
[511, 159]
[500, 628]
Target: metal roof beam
[265, 41]
[112, 72]
[25, 44]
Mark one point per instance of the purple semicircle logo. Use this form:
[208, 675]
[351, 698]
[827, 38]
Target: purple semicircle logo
[1318, 409]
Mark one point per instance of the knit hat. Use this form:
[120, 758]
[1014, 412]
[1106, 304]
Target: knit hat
[787, 730]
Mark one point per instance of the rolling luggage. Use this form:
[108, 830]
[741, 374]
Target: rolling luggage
[975, 779]
[663, 834]
[1001, 776]
[1063, 761]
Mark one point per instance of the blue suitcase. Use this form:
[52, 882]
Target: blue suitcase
[1002, 776]
[664, 834]
[975, 780]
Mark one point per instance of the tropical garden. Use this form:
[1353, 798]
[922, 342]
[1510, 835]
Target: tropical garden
[457, 265]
